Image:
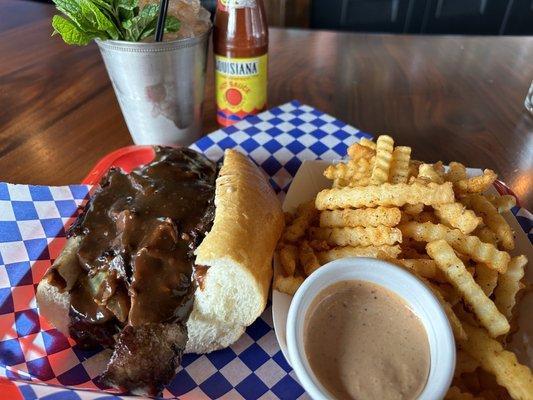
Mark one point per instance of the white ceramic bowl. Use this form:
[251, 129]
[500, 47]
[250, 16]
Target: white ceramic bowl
[420, 299]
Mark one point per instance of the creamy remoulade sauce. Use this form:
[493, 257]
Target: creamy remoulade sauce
[364, 342]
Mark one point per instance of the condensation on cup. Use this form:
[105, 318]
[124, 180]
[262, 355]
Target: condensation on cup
[160, 86]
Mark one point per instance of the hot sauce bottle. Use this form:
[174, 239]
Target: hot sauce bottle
[240, 43]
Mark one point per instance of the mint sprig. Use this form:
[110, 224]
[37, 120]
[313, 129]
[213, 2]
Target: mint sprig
[85, 20]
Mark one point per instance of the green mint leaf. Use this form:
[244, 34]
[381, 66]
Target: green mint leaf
[149, 12]
[89, 18]
[146, 21]
[130, 27]
[150, 16]
[70, 33]
[73, 11]
[106, 5]
[98, 19]
[125, 15]
[172, 24]
[112, 13]
[126, 9]
[126, 4]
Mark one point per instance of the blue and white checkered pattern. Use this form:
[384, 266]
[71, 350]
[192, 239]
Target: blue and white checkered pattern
[32, 234]
[279, 140]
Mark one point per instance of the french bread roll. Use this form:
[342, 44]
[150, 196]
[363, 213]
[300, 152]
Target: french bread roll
[237, 252]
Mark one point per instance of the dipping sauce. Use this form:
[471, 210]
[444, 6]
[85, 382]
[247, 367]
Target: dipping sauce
[364, 342]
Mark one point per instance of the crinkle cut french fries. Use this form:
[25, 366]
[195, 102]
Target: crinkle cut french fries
[439, 225]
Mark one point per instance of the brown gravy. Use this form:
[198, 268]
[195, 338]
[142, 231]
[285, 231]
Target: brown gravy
[130, 280]
[363, 342]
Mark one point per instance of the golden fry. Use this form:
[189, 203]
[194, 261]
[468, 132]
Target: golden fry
[367, 143]
[465, 315]
[340, 170]
[439, 169]
[380, 172]
[426, 216]
[492, 219]
[305, 215]
[413, 168]
[509, 285]
[335, 253]
[464, 258]
[458, 276]
[399, 168]
[288, 218]
[456, 172]
[335, 171]
[476, 184]
[486, 235]
[451, 295]
[359, 180]
[361, 173]
[287, 284]
[509, 373]
[426, 268]
[319, 245]
[340, 182]
[457, 328]
[457, 216]
[413, 209]
[464, 363]
[357, 151]
[466, 244]
[363, 169]
[502, 203]
[488, 387]
[351, 173]
[288, 258]
[357, 236]
[386, 194]
[388, 216]
[426, 171]
[307, 258]
[486, 278]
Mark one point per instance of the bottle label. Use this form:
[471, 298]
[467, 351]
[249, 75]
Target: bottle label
[225, 4]
[241, 87]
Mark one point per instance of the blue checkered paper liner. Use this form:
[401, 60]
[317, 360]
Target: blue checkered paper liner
[32, 234]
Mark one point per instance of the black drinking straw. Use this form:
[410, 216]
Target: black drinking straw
[160, 28]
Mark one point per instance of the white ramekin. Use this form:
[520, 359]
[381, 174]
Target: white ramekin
[419, 298]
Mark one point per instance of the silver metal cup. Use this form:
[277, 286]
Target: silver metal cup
[159, 86]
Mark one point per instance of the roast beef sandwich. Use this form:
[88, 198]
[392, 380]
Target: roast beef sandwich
[173, 257]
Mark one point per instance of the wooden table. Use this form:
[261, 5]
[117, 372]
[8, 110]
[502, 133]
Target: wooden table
[450, 98]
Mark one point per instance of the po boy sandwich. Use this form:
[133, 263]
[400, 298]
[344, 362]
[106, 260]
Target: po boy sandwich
[173, 257]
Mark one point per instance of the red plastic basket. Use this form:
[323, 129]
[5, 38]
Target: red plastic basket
[126, 158]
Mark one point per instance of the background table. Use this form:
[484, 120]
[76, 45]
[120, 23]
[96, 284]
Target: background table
[449, 97]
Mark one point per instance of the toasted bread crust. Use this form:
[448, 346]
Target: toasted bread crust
[248, 222]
